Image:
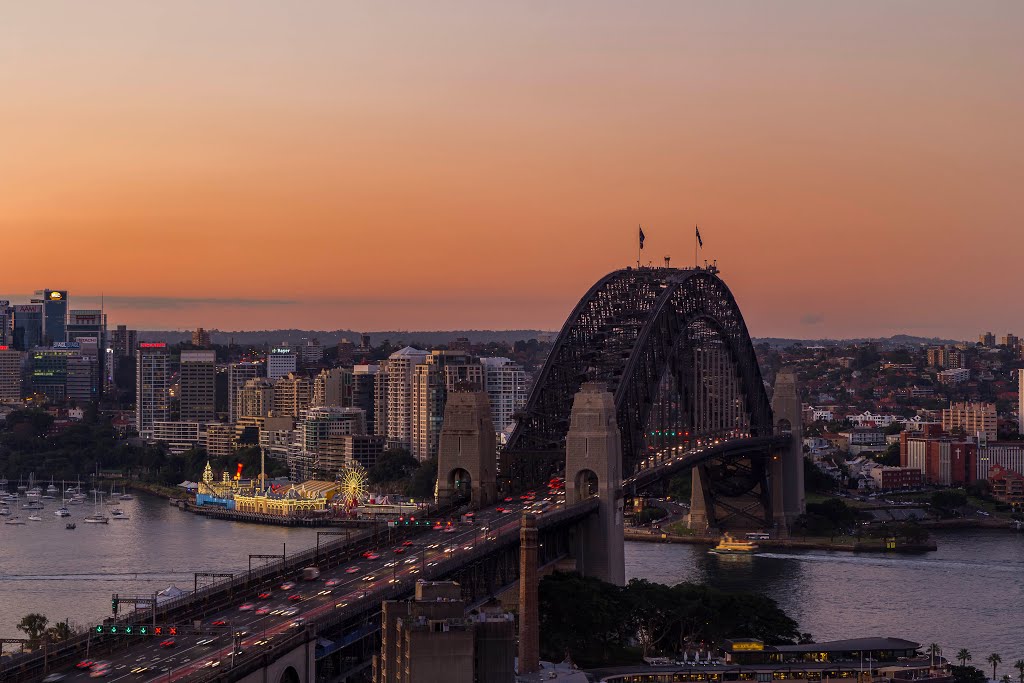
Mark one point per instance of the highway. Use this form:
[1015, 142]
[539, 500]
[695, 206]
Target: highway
[294, 603]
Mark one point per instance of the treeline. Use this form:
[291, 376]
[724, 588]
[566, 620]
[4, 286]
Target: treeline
[600, 624]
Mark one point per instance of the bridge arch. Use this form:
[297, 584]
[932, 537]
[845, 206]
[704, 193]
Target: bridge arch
[460, 481]
[289, 675]
[586, 484]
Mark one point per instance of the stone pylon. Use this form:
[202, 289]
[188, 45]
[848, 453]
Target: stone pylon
[593, 466]
[529, 599]
[467, 449]
[787, 465]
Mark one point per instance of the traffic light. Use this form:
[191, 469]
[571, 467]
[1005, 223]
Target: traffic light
[98, 629]
[113, 605]
[128, 630]
[143, 630]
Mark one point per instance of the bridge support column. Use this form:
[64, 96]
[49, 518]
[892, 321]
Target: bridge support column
[467, 450]
[787, 465]
[593, 466]
[698, 520]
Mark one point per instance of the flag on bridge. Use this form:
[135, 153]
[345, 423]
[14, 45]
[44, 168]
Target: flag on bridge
[699, 240]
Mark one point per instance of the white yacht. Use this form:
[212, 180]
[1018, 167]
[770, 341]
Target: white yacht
[35, 518]
[32, 505]
[62, 512]
[96, 517]
[118, 513]
[14, 520]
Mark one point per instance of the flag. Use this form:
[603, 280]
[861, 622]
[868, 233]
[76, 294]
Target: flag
[641, 238]
[700, 242]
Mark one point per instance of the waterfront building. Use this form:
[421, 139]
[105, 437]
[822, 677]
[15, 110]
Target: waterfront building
[291, 395]
[1007, 485]
[179, 436]
[276, 435]
[281, 361]
[197, 386]
[10, 374]
[1007, 454]
[316, 451]
[395, 388]
[220, 440]
[505, 383]
[28, 326]
[55, 316]
[363, 449]
[895, 477]
[238, 375]
[364, 378]
[201, 338]
[971, 418]
[333, 388]
[152, 387]
[941, 458]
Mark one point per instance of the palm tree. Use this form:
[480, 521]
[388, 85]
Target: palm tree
[1019, 666]
[1005, 678]
[933, 651]
[965, 656]
[995, 660]
[60, 631]
[34, 625]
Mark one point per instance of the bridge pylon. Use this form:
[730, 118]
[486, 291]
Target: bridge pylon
[467, 450]
[593, 466]
[787, 464]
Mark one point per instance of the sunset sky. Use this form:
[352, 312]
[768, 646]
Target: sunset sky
[856, 168]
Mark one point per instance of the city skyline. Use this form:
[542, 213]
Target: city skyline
[275, 168]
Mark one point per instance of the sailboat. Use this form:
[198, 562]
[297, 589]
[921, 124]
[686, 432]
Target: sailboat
[51, 491]
[63, 511]
[35, 518]
[125, 495]
[96, 517]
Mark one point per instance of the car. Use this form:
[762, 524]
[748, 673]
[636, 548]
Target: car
[449, 530]
[509, 499]
[406, 544]
[218, 622]
[340, 605]
[369, 577]
[331, 583]
[261, 642]
[290, 612]
[449, 549]
[393, 580]
[170, 642]
[53, 678]
[141, 670]
[287, 586]
[294, 597]
[324, 592]
[206, 641]
[399, 551]
[432, 564]
[352, 570]
[366, 553]
[99, 672]
[467, 547]
[265, 595]
[85, 664]
[390, 564]
[246, 607]
[263, 610]
[412, 560]
[298, 623]
[373, 556]
[414, 570]
[212, 664]
[433, 546]
[501, 509]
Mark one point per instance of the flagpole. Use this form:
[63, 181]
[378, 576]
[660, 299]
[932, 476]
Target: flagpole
[695, 246]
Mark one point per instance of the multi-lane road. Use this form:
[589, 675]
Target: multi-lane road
[280, 610]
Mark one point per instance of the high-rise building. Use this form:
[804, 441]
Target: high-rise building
[1010, 341]
[28, 326]
[971, 418]
[311, 351]
[152, 387]
[90, 328]
[987, 339]
[55, 315]
[238, 375]
[346, 352]
[124, 342]
[317, 450]
[281, 361]
[197, 387]
[505, 383]
[255, 399]
[945, 357]
[10, 374]
[6, 323]
[395, 386]
[1020, 402]
[363, 396]
[201, 338]
[291, 395]
[440, 373]
[49, 371]
[333, 388]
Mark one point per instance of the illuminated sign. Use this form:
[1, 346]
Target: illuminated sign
[281, 350]
[4, 348]
[152, 345]
[28, 308]
[67, 345]
[56, 296]
[748, 646]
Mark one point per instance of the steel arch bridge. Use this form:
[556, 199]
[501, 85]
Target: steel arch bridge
[672, 347]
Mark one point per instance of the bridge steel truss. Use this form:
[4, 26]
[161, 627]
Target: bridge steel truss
[672, 346]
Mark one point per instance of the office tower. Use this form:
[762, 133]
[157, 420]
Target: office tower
[90, 328]
[6, 323]
[363, 396]
[28, 326]
[55, 315]
[197, 386]
[460, 344]
[10, 374]
[124, 342]
[346, 352]
[364, 342]
[396, 388]
[220, 440]
[505, 383]
[316, 451]
[48, 373]
[280, 362]
[152, 387]
[238, 375]
[201, 338]
[255, 399]
[333, 388]
[439, 374]
[85, 370]
[1010, 341]
[1020, 401]
[291, 395]
[972, 418]
[311, 351]
[987, 339]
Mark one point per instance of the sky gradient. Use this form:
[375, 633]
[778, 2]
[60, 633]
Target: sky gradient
[856, 168]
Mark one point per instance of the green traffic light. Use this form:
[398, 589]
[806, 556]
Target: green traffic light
[128, 630]
[113, 629]
[99, 629]
[143, 630]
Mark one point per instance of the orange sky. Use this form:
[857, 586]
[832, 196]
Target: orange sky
[856, 168]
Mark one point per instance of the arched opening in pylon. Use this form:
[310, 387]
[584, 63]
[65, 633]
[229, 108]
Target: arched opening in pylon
[586, 484]
[460, 483]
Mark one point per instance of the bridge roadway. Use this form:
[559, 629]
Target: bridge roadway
[657, 468]
[340, 593]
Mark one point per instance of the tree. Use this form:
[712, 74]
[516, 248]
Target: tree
[1019, 666]
[968, 674]
[60, 631]
[34, 625]
[964, 656]
[393, 465]
[995, 660]
[934, 651]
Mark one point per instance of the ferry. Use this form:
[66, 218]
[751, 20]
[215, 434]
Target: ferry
[733, 546]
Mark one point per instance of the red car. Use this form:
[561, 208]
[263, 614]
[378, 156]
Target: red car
[399, 551]
[501, 509]
[366, 553]
[218, 622]
[508, 499]
[406, 543]
[85, 664]
[265, 595]
[294, 597]
[352, 570]
[170, 642]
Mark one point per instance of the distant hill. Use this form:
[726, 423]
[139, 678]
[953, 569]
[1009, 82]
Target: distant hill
[884, 342]
[331, 337]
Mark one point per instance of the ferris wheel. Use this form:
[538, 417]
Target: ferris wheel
[353, 483]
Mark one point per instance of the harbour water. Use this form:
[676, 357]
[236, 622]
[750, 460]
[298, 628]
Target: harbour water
[968, 594]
